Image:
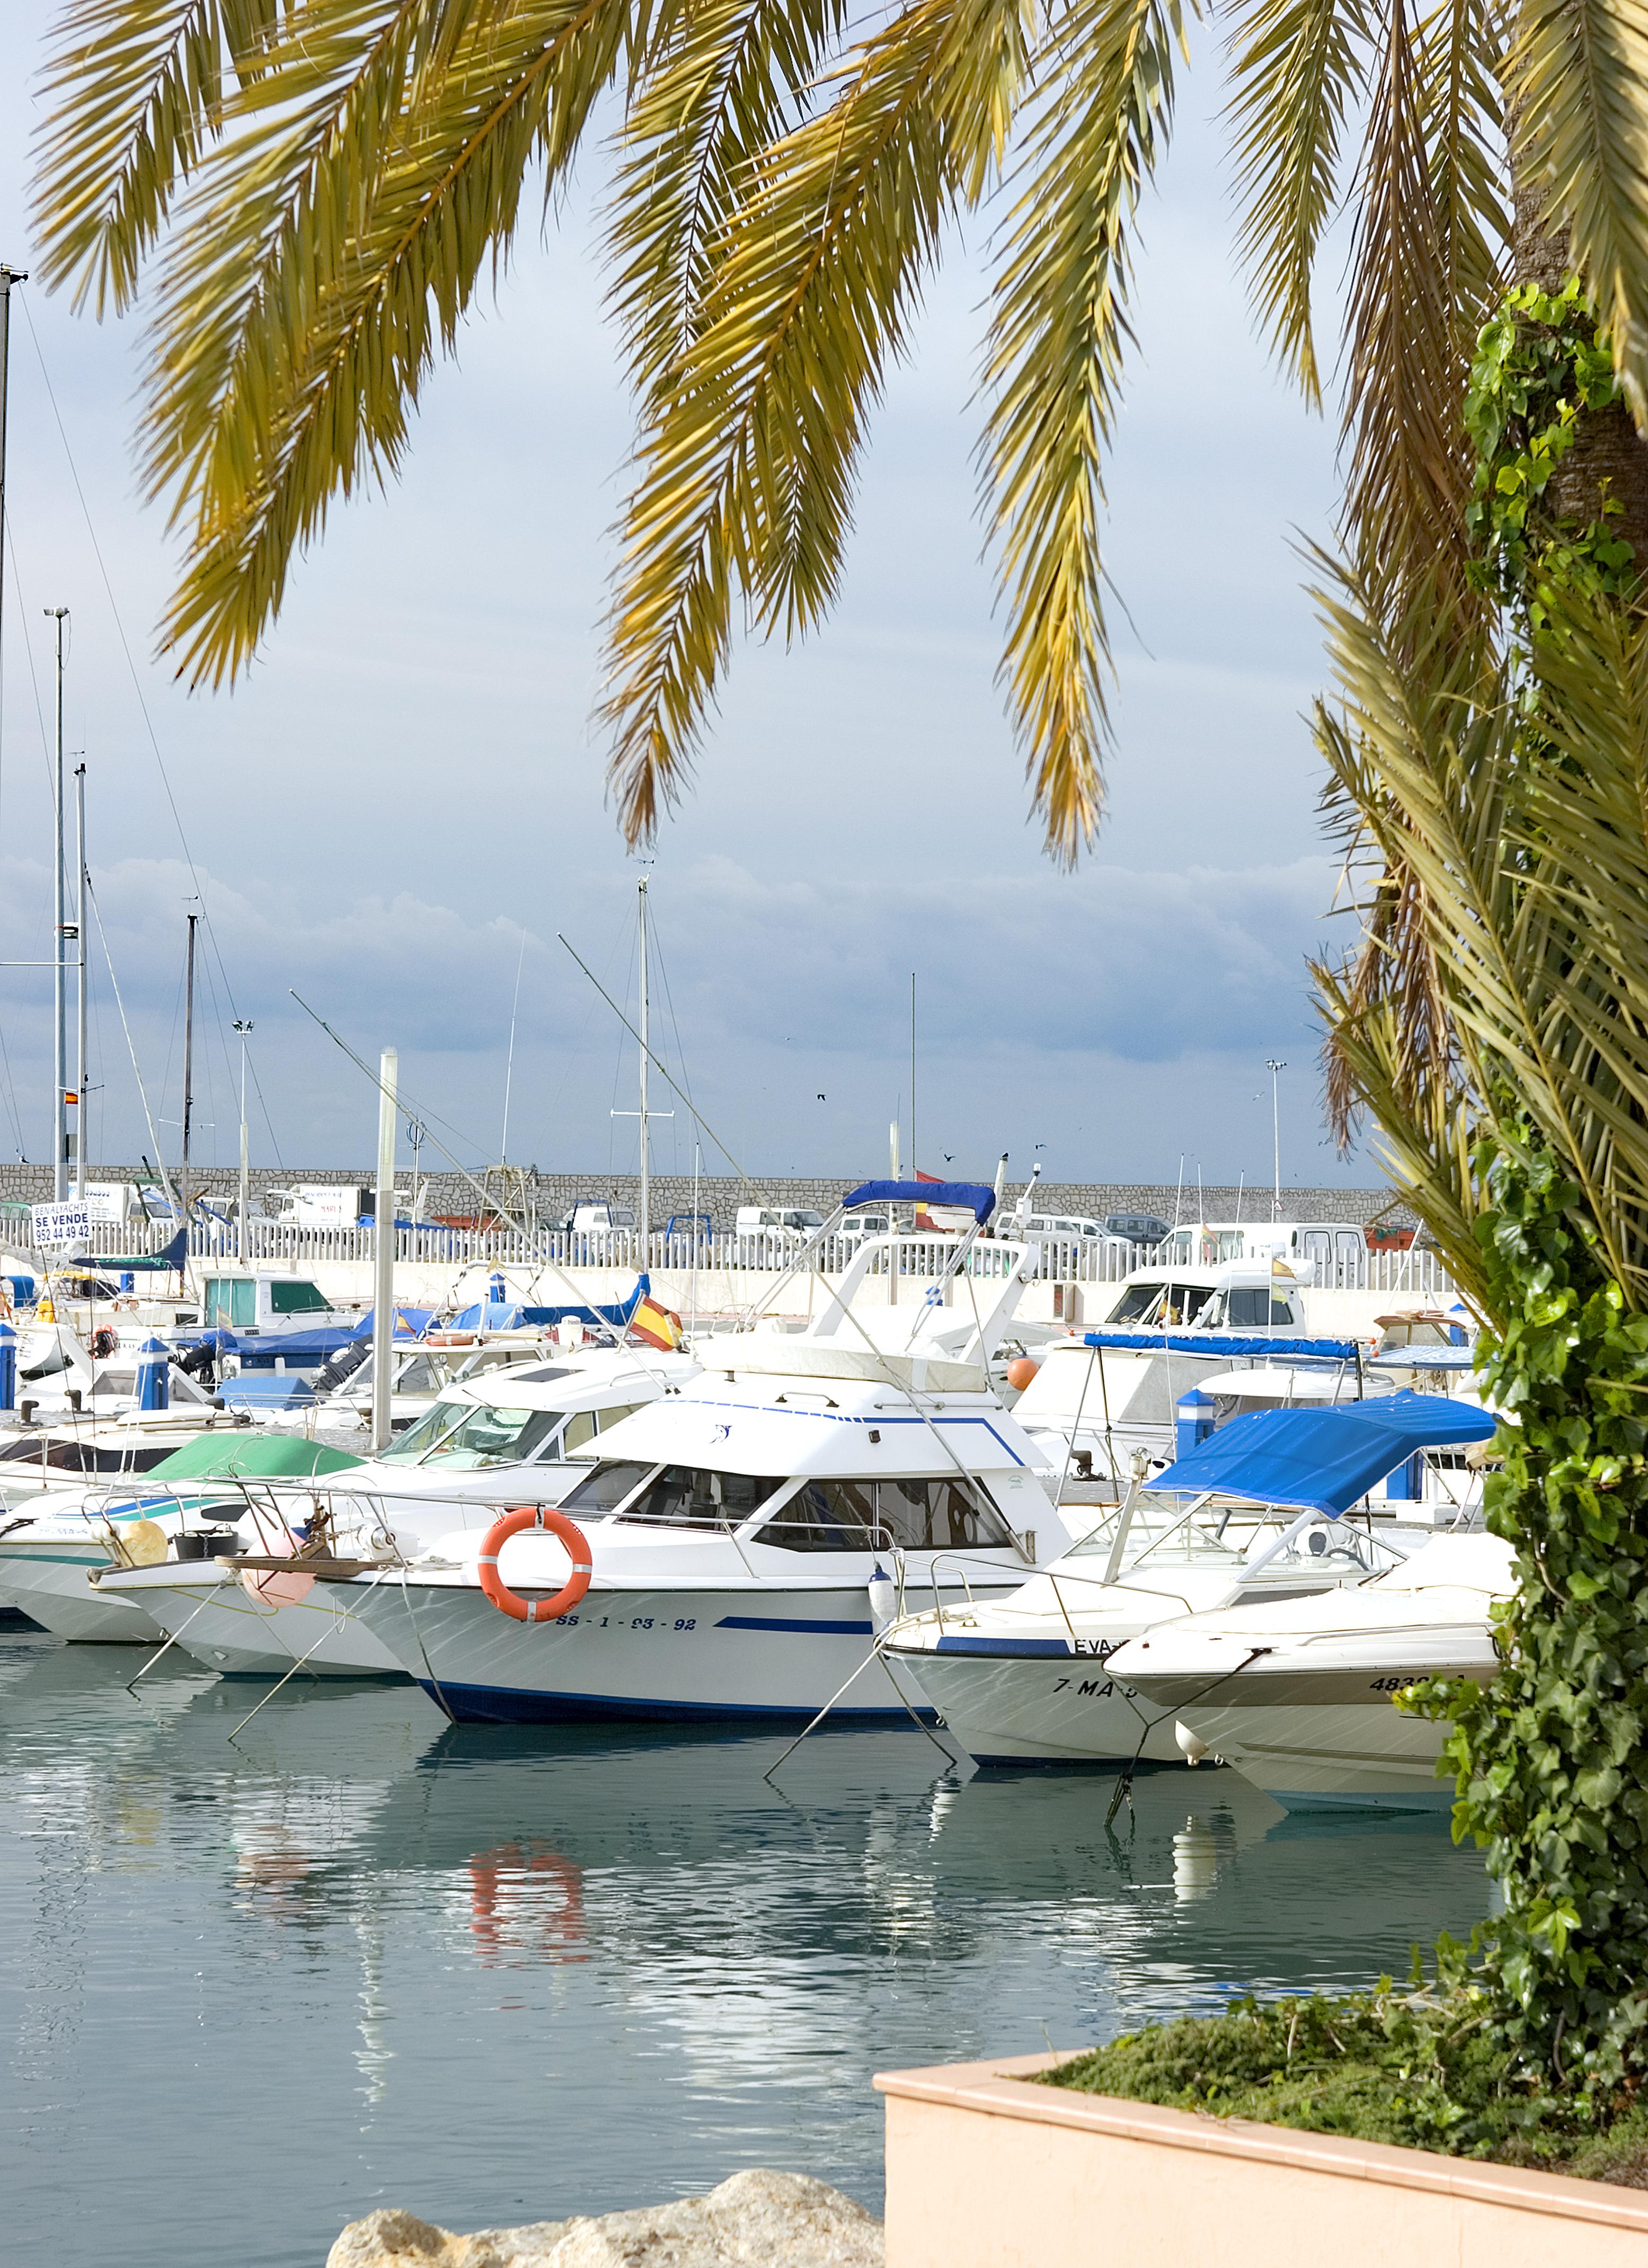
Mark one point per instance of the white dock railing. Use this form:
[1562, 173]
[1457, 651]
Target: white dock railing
[1413, 1275]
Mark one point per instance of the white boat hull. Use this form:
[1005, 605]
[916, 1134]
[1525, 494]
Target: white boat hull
[1330, 1754]
[51, 1583]
[1047, 1708]
[746, 1654]
[215, 1619]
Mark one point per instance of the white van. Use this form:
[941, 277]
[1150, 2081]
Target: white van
[596, 1217]
[322, 1204]
[771, 1235]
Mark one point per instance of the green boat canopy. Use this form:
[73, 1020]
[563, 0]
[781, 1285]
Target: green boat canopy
[257, 1456]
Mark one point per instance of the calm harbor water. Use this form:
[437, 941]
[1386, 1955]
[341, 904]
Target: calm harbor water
[253, 1989]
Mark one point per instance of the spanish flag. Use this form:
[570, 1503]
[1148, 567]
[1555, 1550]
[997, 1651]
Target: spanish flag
[655, 1327]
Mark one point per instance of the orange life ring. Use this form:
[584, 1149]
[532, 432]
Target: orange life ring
[450, 1338]
[534, 1610]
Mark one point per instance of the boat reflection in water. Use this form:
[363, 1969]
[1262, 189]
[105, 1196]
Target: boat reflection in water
[495, 1975]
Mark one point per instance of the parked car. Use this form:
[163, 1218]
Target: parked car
[1137, 1229]
[595, 1217]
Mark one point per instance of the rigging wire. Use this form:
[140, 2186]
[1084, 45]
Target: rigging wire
[125, 646]
[45, 744]
[142, 1095]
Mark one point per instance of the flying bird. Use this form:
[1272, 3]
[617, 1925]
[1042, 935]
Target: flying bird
[823, 1097]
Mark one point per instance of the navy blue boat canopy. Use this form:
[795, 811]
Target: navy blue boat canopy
[1220, 1343]
[1322, 1459]
[978, 1199]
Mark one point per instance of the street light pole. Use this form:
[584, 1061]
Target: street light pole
[80, 1113]
[1272, 1066]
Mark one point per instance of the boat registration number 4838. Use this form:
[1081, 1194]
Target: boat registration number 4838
[1393, 1684]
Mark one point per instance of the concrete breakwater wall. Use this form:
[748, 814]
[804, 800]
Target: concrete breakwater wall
[720, 1194]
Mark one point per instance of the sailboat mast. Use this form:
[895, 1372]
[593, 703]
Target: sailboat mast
[646, 1176]
[80, 1118]
[8, 277]
[188, 1065]
[60, 968]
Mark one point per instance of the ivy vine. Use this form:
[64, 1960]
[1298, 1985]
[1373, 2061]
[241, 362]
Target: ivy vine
[1547, 1756]
[1541, 363]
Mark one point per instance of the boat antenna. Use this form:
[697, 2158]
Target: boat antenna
[188, 1065]
[698, 1118]
[509, 1068]
[915, 1155]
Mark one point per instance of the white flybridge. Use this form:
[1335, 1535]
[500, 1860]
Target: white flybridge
[739, 1541]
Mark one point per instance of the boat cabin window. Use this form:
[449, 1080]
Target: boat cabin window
[71, 1456]
[418, 1377]
[691, 1496]
[916, 1515]
[606, 1487]
[583, 1425]
[289, 1296]
[1255, 1307]
[231, 1300]
[465, 1434]
[1171, 1306]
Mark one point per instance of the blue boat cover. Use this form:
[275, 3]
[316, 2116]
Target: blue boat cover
[1322, 1459]
[1220, 1343]
[978, 1200]
[495, 1315]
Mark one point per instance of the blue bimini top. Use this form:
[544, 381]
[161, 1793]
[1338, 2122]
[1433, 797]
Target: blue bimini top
[1322, 1459]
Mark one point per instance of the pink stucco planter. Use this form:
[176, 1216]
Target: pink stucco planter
[985, 2171]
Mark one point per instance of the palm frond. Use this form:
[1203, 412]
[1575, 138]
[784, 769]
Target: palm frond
[1419, 293]
[1300, 67]
[1054, 363]
[1577, 75]
[333, 242]
[733, 81]
[138, 89]
[1522, 818]
[747, 459]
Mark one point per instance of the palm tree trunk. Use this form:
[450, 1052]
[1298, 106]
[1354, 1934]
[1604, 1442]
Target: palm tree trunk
[1609, 457]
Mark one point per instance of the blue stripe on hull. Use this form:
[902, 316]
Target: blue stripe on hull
[1001, 1649]
[781, 1623]
[503, 1704]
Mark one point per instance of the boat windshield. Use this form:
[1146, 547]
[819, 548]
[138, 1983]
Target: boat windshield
[464, 1435]
[1172, 1306]
[1159, 1526]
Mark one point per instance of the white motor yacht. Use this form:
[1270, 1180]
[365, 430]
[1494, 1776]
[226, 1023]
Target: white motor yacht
[1299, 1696]
[1033, 1678]
[501, 1438]
[746, 1534]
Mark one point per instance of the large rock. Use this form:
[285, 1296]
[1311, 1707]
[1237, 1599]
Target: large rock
[756, 2220]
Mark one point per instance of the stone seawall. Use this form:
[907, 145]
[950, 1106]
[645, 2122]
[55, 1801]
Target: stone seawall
[720, 1194]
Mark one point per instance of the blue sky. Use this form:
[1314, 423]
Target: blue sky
[409, 782]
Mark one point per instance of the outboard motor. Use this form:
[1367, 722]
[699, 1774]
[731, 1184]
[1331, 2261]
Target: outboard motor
[343, 1365]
